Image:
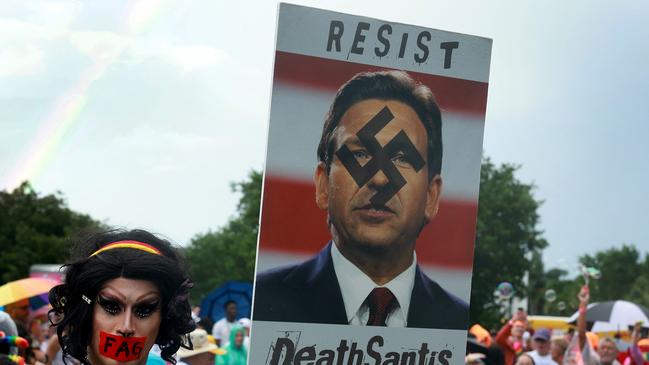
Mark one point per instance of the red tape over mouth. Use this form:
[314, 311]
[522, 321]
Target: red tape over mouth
[120, 348]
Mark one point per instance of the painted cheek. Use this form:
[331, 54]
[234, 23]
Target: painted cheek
[120, 348]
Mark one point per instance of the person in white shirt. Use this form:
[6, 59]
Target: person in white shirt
[221, 329]
[541, 346]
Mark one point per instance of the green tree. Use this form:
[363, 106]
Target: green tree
[228, 253]
[537, 283]
[506, 236]
[620, 268]
[35, 229]
[640, 289]
[622, 278]
[566, 291]
[639, 292]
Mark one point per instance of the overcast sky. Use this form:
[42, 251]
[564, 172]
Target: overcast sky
[142, 113]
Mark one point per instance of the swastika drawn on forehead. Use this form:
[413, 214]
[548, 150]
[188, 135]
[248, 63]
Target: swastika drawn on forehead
[381, 157]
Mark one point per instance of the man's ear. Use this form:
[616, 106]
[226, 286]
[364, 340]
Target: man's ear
[432, 197]
[321, 179]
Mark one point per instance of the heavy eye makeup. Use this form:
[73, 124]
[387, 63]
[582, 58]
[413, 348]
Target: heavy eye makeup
[146, 309]
[141, 310]
[110, 306]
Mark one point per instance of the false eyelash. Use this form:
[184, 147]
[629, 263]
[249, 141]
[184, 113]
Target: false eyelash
[111, 307]
[146, 310]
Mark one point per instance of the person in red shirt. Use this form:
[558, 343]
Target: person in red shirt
[510, 337]
[635, 354]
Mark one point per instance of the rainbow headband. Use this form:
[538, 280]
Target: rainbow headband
[128, 244]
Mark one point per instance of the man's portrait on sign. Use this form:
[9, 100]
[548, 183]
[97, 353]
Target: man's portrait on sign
[378, 180]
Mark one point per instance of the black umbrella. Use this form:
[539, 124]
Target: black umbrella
[613, 315]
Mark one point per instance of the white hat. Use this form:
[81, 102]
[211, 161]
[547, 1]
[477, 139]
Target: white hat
[7, 325]
[245, 322]
[474, 358]
[201, 344]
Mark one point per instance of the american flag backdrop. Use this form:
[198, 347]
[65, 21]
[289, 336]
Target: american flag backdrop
[293, 228]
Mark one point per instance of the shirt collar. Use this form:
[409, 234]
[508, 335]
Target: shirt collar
[355, 285]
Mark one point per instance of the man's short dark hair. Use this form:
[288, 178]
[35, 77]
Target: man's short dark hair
[228, 302]
[386, 85]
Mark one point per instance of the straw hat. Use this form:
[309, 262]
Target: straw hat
[201, 344]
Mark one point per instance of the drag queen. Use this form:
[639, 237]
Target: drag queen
[123, 292]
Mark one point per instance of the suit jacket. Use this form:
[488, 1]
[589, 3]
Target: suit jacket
[309, 292]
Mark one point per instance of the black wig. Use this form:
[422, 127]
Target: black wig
[86, 274]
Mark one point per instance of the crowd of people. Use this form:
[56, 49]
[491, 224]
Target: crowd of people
[517, 343]
[230, 338]
[27, 335]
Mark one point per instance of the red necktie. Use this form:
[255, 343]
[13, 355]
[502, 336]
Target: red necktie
[381, 302]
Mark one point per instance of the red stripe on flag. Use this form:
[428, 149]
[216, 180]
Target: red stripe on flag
[292, 222]
[313, 72]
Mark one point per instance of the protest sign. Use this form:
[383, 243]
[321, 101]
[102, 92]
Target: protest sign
[352, 186]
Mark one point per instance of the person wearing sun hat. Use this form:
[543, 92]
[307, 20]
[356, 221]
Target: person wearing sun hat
[203, 351]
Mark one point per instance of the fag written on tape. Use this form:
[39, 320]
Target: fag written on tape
[120, 348]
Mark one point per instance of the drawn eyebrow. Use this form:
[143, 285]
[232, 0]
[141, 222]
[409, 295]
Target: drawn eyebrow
[112, 294]
[154, 295]
[115, 294]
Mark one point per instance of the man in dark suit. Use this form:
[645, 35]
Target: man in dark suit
[378, 177]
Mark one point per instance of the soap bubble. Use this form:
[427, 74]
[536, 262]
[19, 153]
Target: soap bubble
[550, 295]
[505, 290]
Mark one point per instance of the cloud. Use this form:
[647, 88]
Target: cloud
[100, 46]
[195, 57]
[54, 14]
[145, 137]
[21, 61]
[107, 46]
[187, 57]
[18, 31]
[22, 53]
[25, 43]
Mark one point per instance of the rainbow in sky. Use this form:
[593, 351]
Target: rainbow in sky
[138, 18]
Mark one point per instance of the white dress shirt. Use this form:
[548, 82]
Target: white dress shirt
[355, 286]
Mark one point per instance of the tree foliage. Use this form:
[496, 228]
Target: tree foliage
[506, 236]
[228, 253]
[624, 276]
[566, 290]
[639, 292]
[35, 229]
